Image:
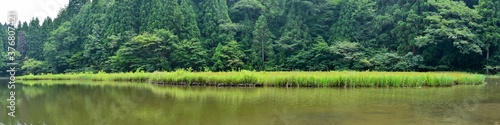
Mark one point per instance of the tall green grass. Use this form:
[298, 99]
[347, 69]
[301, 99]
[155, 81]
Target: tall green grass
[307, 79]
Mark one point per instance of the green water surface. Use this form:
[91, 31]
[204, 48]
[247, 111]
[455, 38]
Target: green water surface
[110, 103]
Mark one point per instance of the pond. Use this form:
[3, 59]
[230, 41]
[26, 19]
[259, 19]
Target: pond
[109, 103]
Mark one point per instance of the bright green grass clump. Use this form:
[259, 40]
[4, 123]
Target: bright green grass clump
[312, 79]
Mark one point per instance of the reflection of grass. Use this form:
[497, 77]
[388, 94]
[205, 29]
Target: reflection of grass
[178, 92]
[32, 92]
[493, 76]
[239, 94]
[320, 79]
[182, 105]
[205, 92]
[83, 82]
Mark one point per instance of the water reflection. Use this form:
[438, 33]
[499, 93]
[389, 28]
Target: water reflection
[108, 103]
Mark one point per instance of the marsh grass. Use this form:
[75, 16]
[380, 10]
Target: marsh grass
[291, 79]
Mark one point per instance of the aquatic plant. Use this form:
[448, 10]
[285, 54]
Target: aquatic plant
[306, 79]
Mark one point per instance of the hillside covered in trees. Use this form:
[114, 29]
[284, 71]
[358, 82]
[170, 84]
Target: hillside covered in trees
[272, 35]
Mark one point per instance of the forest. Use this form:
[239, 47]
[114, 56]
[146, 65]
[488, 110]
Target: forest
[261, 35]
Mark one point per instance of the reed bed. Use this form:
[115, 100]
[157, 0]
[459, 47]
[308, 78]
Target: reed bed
[292, 79]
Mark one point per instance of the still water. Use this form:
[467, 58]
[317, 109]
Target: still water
[108, 103]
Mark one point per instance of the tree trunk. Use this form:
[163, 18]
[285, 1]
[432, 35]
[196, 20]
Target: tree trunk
[487, 59]
[263, 66]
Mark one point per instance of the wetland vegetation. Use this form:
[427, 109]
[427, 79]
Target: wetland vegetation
[309, 79]
[262, 35]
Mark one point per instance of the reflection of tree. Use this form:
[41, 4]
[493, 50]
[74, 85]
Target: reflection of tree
[85, 105]
[492, 89]
[4, 94]
[128, 103]
[279, 118]
[454, 106]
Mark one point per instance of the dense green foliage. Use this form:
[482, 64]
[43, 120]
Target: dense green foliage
[272, 35]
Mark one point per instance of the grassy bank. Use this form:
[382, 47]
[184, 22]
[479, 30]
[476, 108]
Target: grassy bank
[248, 78]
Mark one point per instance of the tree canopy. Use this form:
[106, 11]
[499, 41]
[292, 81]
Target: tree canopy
[264, 35]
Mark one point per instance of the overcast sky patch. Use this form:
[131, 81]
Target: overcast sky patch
[28, 9]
